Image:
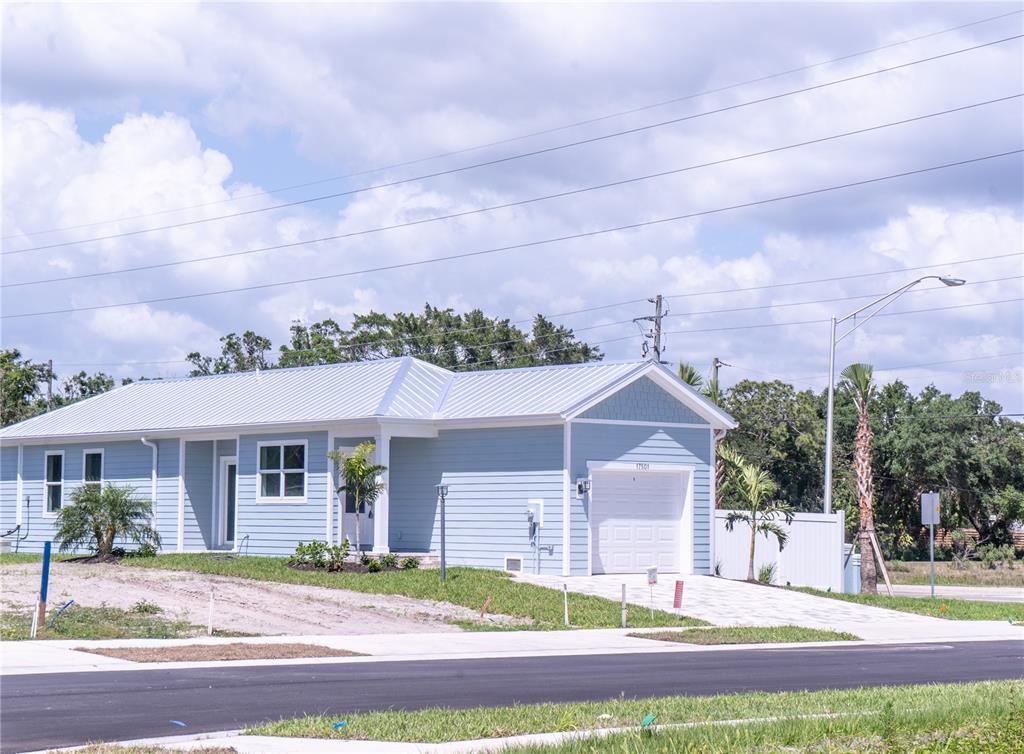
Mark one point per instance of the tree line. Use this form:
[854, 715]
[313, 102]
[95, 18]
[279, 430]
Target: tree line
[928, 441]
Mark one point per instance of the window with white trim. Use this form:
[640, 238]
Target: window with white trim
[54, 481]
[282, 471]
[92, 468]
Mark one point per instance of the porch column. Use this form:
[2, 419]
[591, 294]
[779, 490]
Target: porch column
[181, 496]
[381, 508]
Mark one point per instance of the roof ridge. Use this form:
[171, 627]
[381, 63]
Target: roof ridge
[538, 367]
[396, 385]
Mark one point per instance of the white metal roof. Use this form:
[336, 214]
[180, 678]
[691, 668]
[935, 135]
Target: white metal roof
[400, 388]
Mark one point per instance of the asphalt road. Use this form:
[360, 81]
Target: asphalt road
[62, 709]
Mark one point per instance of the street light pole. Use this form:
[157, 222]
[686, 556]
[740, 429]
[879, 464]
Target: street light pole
[833, 340]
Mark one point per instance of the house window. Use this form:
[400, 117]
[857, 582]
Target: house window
[92, 467]
[54, 481]
[282, 468]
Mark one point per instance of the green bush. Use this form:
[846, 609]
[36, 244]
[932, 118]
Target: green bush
[336, 556]
[372, 565]
[145, 607]
[766, 574]
[410, 563]
[389, 560]
[314, 554]
[996, 557]
[366, 558]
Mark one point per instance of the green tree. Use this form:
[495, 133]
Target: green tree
[858, 383]
[99, 516]
[19, 386]
[689, 374]
[82, 385]
[359, 477]
[754, 488]
[238, 354]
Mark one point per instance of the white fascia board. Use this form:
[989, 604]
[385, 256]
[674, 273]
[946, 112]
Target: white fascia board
[534, 420]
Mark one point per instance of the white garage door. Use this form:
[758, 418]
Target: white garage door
[635, 519]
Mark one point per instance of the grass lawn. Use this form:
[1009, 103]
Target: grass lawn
[946, 573]
[469, 587]
[840, 714]
[747, 635]
[144, 621]
[940, 607]
[14, 558]
[207, 652]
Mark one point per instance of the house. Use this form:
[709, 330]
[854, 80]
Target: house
[576, 469]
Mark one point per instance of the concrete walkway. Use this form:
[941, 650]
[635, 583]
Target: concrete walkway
[737, 603]
[983, 593]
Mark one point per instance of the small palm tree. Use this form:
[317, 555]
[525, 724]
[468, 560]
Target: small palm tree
[99, 516]
[689, 374]
[359, 477]
[755, 487]
[857, 382]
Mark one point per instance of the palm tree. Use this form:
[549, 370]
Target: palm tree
[360, 478]
[688, 373]
[858, 384]
[714, 393]
[99, 516]
[756, 489]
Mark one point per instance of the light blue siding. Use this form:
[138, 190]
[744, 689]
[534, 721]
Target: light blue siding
[166, 492]
[275, 528]
[199, 495]
[124, 463]
[8, 490]
[650, 444]
[491, 474]
[643, 400]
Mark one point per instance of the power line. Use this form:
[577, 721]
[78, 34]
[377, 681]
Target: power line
[506, 205]
[543, 132]
[510, 158]
[511, 247]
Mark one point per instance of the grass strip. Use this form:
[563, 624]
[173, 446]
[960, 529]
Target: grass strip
[207, 652]
[947, 573]
[469, 587]
[440, 724]
[939, 607]
[747, 635]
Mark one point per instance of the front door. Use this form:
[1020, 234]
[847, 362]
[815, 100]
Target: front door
[227, 502]
[348, 520]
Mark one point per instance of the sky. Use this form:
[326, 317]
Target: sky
[119, 121]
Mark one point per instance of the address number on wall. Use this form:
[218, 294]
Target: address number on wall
[643, 467]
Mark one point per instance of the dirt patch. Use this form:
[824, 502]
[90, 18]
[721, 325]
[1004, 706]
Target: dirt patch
[205, 652]
[240, 605]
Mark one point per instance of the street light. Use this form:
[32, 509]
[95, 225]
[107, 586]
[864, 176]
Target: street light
[887, 299]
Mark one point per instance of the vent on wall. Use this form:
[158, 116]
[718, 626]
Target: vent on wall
[513, 564]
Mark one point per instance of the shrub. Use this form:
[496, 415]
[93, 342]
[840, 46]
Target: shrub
[389, 560]
[410, 563]
[766, 573]
[366, 558]
[314, 554]
[146, 550]
[997, 556]
[372, 565]
[336, 556]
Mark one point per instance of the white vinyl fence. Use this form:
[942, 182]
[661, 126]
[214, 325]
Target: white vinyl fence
[813, 555]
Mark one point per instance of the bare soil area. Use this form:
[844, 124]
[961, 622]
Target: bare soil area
[205, 652]
[240, 605]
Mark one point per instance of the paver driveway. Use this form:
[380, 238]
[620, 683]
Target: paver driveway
[737, 603]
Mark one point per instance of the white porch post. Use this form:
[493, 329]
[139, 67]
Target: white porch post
[381, 508]
[567, 493]
[181, 495]
[19, 514]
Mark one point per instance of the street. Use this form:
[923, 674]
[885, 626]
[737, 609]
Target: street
[47, 710]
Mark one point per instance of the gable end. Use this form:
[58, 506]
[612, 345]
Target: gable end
[643, 400]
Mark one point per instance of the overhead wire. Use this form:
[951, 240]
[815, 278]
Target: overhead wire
[510, 158]
[555, 129]
[523, 245]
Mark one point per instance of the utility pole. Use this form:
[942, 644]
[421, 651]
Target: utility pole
[654, 334]
[49, 384]
[715, 363]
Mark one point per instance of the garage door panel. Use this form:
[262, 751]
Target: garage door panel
[635, 520]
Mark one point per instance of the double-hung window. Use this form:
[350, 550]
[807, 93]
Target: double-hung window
[92, 468]
[282, 470]
[54, 481]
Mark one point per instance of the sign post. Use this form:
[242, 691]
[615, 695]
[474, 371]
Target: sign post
[652, 579]
[39, 618]
[930, 517]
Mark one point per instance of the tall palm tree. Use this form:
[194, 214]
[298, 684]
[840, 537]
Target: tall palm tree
[689, 374]
[360, 477]
[756, 489]
[857, 382]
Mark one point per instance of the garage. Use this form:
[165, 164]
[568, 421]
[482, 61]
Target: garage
[636, 519]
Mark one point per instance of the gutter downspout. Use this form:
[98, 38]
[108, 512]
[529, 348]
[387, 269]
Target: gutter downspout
[153, 479]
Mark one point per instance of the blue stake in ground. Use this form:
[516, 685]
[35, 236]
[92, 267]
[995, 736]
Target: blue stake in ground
[44, 585]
